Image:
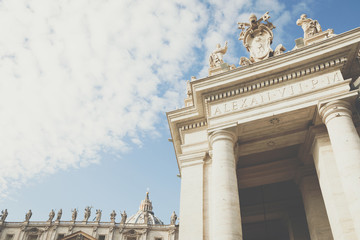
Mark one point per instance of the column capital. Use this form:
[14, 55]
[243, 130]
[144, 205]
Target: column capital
[222, 135]
[333, 109]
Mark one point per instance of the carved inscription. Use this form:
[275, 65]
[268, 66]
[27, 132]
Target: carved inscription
[272, 95]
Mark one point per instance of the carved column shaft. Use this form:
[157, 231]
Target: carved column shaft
[225, 213]
[345, 142]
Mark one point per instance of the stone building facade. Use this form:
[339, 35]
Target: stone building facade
[143, 225]
[271, 150]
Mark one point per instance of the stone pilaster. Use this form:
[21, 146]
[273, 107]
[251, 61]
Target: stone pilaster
[341, 222]
[317, 218]
[225, 212]
[191, 196]
[345, 142]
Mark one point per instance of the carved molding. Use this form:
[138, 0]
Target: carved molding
[276, 80]
[193, 125]
[187, 160]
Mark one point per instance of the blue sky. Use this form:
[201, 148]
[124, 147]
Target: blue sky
[84, 87]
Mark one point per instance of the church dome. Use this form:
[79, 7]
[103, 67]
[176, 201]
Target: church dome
[145, 215]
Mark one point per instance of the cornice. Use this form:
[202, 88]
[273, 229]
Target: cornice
[193, 125]
[182, 113]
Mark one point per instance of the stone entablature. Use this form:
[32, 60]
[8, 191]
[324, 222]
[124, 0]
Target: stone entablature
[275, 94]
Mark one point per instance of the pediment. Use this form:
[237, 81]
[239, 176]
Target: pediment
[79, 235]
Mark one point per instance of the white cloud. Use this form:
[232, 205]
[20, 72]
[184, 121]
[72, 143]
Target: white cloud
[81, 77]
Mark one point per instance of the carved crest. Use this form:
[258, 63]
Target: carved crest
[257, 37]
[259, 44]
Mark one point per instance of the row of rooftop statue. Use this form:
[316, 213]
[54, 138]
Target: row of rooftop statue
[87, 213]
[257, 37]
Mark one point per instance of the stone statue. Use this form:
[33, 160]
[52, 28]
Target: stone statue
[3, 215]
[112, 216]
[51, 215]
[216, 57]
[188, 89]
[28, 216]
[310, 27]
[59, 214]
[173, 218]
[74, 214]
[87, 213]
[123, 218]
[257, 37]
[98, 215]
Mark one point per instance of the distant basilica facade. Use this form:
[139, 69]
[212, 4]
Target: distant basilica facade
[143, 225]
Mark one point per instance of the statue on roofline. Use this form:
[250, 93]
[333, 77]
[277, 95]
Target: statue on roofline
[87, 213]
[173, 218]
[98, 215]
[74, 214]
[59, 214]
[310, 27]
[123, 218]
[112, 216]
[216, 57]
[28, 215]
[4, 214]
[51, 215]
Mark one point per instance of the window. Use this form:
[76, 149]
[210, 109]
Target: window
[60, 236]
[9, 237]
[32, 237]
[158, 238]
[101, 237]
[131, 238]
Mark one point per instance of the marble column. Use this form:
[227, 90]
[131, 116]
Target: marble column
[317, 218]
[225, 212]
[345, 142]
[341, 222]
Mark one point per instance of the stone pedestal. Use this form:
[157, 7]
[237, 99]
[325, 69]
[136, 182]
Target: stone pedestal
[225, 208]
[317, 219]
[319, 37]
[345, 142]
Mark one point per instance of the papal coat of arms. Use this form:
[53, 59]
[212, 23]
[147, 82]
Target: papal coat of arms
[257, 38]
